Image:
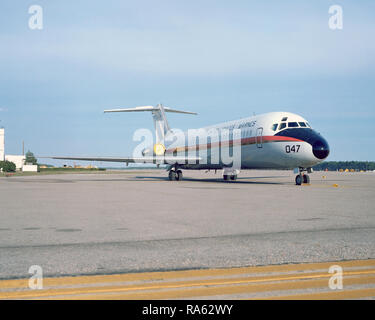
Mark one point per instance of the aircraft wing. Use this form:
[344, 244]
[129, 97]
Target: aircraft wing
[154, 159]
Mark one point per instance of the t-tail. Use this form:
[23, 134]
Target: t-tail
[158, 114]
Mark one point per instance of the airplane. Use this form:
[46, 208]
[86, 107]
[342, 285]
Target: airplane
[275, 140]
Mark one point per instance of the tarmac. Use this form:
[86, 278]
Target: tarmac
[138, 222]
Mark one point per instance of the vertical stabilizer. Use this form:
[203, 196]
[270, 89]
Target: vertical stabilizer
[160, 123]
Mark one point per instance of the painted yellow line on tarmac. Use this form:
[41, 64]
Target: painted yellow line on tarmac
[191, 283]
[149, 276]
[216, 291]
[172, 285]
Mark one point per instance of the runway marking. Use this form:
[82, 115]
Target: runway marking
[189, 292]
[200, 283]
[175, 285]
[19, 283]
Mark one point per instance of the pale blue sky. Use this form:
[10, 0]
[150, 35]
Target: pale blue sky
[222, 59]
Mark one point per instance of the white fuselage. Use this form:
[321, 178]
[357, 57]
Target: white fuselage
[264, 142]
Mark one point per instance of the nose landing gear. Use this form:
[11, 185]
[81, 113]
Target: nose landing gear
[302, 177]
[306, 179]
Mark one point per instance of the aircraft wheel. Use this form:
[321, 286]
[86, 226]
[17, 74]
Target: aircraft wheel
[172, 175]
[306, 178]
[179, 175]
[225, 177]
[233, 177]
[298, 180]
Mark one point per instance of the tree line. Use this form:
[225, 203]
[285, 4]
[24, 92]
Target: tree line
[337, 165]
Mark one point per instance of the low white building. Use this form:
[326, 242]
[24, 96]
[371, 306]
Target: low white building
[17, 160]
[30, 168]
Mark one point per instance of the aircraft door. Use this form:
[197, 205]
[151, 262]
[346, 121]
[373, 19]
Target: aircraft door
[259, 137]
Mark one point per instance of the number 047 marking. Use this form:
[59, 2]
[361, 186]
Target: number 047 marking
[293, 148]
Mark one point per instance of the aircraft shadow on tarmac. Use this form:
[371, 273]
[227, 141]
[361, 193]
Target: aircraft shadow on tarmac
[242, 180]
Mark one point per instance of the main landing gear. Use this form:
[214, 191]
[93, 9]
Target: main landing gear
[175, 175]
[302, 177]
[227, 177]
[230, 174]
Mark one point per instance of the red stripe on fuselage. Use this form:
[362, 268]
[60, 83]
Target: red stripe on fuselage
[244, 141]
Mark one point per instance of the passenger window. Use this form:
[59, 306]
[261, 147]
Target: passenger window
[282, 126]
[302, 124]
[292, 124]
[274, 127]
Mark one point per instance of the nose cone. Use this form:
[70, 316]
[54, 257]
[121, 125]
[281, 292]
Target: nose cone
[321, 148]
[319, 144]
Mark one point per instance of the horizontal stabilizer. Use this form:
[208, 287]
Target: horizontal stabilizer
[148, 108]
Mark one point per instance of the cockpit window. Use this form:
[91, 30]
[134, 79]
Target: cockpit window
[284, 119]
[302, 124]
[292, 124]
[274, 127]
[282, 126]
[308, 125]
